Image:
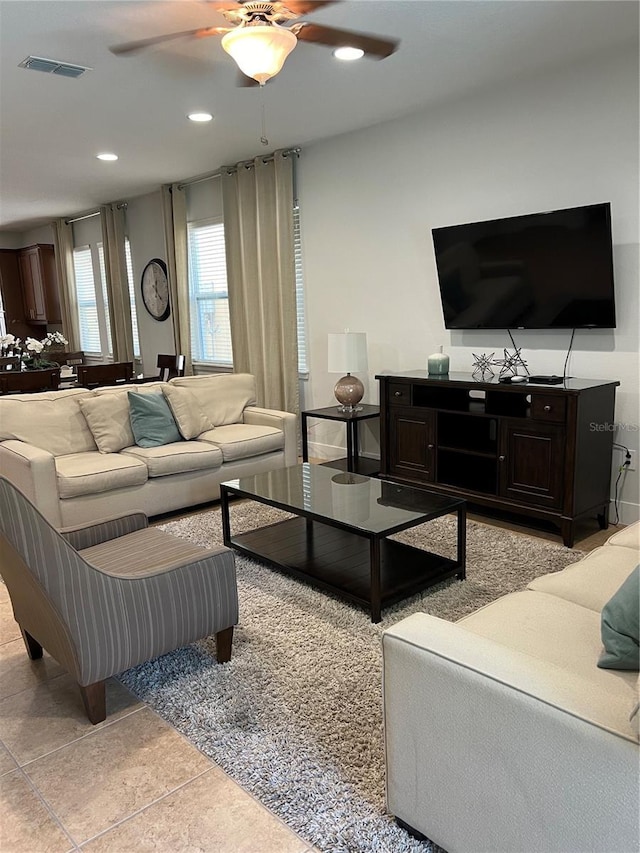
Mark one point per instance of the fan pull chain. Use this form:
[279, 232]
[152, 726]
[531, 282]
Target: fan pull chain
[263, 138]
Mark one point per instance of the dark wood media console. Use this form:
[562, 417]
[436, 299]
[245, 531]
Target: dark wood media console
[538, 450]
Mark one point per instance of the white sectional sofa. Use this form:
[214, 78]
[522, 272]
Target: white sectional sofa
[502, 734]
[74, 455]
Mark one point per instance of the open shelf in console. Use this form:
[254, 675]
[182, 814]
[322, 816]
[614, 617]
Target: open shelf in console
[475, 472]
[466, 432]
[454, 399]
[510, 405]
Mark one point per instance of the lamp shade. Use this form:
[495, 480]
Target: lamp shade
[259, 51]
[347, 352]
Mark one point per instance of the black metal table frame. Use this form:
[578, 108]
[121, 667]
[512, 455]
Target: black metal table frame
[350, 419]
[457, 569]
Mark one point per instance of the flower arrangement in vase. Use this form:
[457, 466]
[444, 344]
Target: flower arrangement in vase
[33, 354]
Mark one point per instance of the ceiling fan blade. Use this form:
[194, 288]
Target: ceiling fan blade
[372, 45]
[134, 46]
[306, 7]
[300, 7]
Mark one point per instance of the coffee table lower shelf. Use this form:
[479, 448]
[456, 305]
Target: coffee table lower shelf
[339, 561]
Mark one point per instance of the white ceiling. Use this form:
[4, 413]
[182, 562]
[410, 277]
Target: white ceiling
[52, 127]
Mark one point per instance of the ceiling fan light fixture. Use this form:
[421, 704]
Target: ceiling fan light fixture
[348, 54]
[259, 51]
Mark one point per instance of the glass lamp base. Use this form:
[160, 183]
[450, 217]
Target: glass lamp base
[349, 391]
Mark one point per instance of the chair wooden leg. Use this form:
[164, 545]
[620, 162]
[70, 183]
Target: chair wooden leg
[94, 700]
[34, 649]
[224, 641]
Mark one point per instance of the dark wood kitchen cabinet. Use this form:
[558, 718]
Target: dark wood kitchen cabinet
[39, 284]
[538, 450]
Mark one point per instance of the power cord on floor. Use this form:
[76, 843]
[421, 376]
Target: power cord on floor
[621, 471]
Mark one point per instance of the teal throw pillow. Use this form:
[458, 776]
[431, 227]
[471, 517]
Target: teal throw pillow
[620, 626]
[152, 423]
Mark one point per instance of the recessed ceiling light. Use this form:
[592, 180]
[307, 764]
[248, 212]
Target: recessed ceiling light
[107, 156]
[348, 54]
[200, 116]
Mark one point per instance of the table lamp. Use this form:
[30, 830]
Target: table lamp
[347, 353]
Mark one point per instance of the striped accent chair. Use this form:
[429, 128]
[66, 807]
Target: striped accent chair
[106, 596]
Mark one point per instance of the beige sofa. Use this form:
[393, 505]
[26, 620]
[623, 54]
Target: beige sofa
[502, 734]
[73, 452]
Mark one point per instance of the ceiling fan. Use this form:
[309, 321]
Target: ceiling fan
[258, 41]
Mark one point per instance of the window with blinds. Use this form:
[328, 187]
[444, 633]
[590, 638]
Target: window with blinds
[300, 307]
[86, 300]
[132, 299]
[104, 316]
[209, 298]
[210, 327]
[93, 300]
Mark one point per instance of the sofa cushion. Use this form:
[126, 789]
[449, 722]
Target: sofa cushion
[91, 473]
[628, 537]
[176, 458]
[620, 626]
[565, 637]
[240, 441]
[109, 422]
[188, 415]
[223, 396]
[593, 580]
[151, 420]
[51, 421]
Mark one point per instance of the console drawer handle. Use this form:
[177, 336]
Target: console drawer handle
[501, 458]
[397, 393]
[429, 446]
[547, 408]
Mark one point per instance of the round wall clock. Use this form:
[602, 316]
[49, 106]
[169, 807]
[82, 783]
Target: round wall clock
[155, 289]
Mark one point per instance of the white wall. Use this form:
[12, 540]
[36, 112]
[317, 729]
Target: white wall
[146, 237]
[370, 198]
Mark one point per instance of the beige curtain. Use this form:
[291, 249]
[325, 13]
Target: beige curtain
[258, 225]
[174, 217]
[63, 247]
[115, 264]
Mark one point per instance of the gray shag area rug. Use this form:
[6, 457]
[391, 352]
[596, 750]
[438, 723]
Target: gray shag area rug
[296, 716]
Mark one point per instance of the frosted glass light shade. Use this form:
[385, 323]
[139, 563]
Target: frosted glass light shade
[259, 51]
[347, 352]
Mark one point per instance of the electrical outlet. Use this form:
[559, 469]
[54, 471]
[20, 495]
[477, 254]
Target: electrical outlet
[632, 464]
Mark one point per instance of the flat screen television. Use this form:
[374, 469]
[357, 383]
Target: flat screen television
[551, 270]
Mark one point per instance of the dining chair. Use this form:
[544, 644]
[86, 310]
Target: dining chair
[9, 362]
[106, 596]
[170, 366]
[95, 375]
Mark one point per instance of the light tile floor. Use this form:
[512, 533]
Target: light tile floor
[130, 783]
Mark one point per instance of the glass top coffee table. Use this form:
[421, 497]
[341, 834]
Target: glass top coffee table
[338, 539]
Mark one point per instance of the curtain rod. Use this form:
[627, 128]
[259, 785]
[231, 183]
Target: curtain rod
[120, 206]
[211, 175]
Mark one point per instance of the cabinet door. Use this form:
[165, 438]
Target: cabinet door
[33, 290]
[411, 437]
[532, 463]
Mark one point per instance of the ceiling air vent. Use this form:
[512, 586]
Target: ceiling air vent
[53, 66]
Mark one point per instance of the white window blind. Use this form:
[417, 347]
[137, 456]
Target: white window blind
[3, 324]
[105, 301]
[132, 299]
[86, 299]
[300, 307]
[210, 329]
